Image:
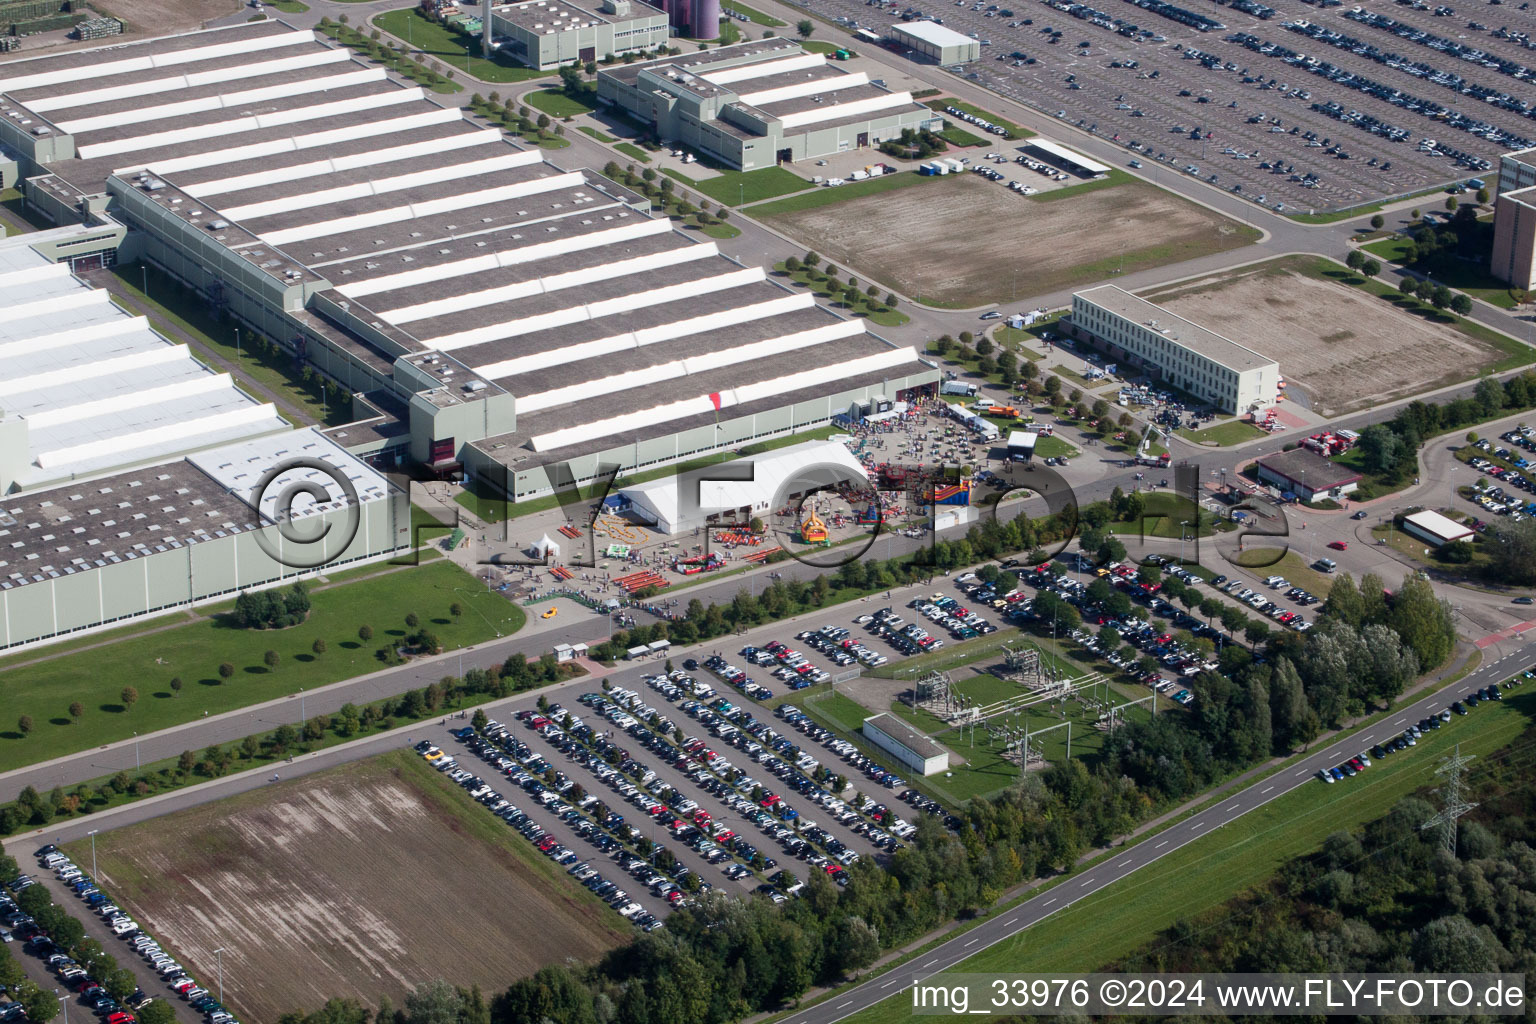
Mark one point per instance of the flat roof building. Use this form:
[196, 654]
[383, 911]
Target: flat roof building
[545, 34]
[1307, 475]
[1214, 369]
[1021, 444]
[1435, 528]
[757, 104]
[527, 324]
[905, 744]
[1513, 259]
[1067, 159]
[936, 43]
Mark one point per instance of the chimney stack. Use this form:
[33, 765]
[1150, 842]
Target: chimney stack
[485, 29]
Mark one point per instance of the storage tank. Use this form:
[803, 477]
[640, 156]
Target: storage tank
[703, 18]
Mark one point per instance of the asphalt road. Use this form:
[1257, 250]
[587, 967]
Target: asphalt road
[1010, 922]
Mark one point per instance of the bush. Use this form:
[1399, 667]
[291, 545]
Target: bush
[271, 609]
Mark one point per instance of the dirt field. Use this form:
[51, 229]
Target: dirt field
[1033, 248]
[1347, 349]
[142, 19]
[362, 881]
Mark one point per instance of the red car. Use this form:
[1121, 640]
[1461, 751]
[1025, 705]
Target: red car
[122, 1018]
[1338, 545]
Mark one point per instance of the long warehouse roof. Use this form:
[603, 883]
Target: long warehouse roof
[96, 386]
[553, 284]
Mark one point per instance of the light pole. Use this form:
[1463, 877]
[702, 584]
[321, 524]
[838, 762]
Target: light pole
[237, 346]
[303, 718]
[92, 834]
[144, 268]
[136, 763]
[219, 955]
[1181, 542]
[64, 1002]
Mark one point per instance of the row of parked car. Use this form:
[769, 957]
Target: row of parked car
[736, 677]
[547, 844]
[92, 992]
[1410, 736]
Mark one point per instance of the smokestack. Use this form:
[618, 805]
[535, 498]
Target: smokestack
[485, 29]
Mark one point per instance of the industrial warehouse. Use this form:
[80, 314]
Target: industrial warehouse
[761, 103]
[544, 34]
[494, 315]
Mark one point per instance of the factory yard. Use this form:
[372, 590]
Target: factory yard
[1245, 96]
[361, 881]
[149, 18]
[1348, 349]
[961, 267]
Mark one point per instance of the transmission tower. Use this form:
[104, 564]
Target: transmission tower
[1455, 806]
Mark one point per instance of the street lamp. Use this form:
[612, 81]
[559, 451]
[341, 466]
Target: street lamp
[136, 764]
[92, 834]
[303, 718]
[64, 1002]
[219, 954]
[1181, 542]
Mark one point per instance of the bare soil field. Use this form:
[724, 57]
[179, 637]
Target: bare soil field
[964, 241]
[1347, 348]
[361, 881]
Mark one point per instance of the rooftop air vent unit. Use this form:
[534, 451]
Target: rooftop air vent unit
[474, 385]
[218, 225]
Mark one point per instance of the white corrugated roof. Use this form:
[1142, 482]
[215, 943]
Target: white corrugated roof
[934, 33]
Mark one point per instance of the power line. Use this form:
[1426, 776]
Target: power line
[1450, 767]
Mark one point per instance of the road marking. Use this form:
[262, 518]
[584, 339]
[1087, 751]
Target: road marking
[1010, 924]
[1086, 881]
[846, 1002]
[889, 983]
[1050, 901]
[1233, 807]
[1197, 824]
[1266, 789]
[1400, 721]
[1160, 845]
[973, 942]
[931, 962]
[1124, 862]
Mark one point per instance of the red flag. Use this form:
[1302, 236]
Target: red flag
[714, 396]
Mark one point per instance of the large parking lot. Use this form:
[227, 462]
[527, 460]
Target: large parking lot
[1287, 84]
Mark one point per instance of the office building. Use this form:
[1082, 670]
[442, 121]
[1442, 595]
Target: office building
[1202, 363]
[545, 34]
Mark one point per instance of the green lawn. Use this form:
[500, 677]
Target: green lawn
[1163, 515]
[411, 25]
[755, 16]
[1472, 278]
[599, 136]
[960, 137]
[736, 188]
[1120, 918]
[1292, 565]
[193, 651]
[821, 46]
[1016, 131]
[1223, 434]
[289, 6]
[168, 303]
[633, 151]
[556, 103]
[817, 198]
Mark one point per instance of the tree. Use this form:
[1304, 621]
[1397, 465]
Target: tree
[1461, 304]
[270, 659]
[1355, 260]
[858, 944]
[76, 710]
[129, 697]
[318, 646]
[1370, 268]
[805, 26]
[226, 670]
[1380, 448]
[365, 633]
[435, 1002]
[1441, 296]
[412, 620]
[1452, 203]
[157, 1012]
[1482, 196]
[41, 1005]
[176, 685]
[1378, 221]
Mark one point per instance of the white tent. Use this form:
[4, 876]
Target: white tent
[545, 548]
[676, 504]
